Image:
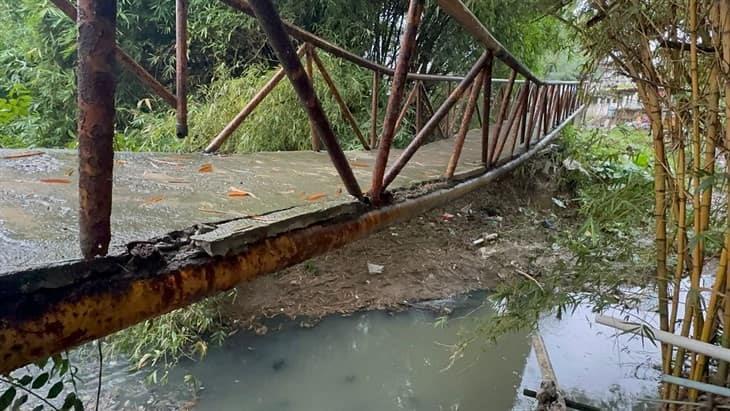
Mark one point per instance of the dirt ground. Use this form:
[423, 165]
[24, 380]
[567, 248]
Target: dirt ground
[447, 251]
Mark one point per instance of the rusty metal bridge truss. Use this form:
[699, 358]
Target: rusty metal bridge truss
[47, 309]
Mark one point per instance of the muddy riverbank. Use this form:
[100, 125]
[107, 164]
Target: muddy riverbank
[506, 229]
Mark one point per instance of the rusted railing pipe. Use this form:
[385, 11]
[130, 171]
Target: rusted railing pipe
[310, 74]
[96, 84]
[181, 67]
[433, 122]
[408, 44]
[503, 110]
[346, 113]
[465, 121]
[126, 61]
[487, 103]
[278, 39]
[322, 44]
[374, 109]
[231, 127]
[467, 19]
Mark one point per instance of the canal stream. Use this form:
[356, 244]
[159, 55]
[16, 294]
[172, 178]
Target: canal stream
[398, 361]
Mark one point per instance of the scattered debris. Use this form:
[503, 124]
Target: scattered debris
[375, 268]
[55, 180]
[447, 216]
[25, 154]
[491, 237]
[206, 168]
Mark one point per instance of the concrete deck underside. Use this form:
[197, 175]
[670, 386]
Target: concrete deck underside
[155, 193]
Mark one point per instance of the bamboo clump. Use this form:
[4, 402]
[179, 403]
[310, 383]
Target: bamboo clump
[678, 54]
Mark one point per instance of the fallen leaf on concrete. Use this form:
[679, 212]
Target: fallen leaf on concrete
[23, 155]
[153, 199]
[315, 196]
[447, 216]
[56, 180]
[358, 164]
[206, 168]
[236, 192]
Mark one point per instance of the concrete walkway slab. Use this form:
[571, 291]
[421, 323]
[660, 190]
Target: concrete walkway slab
[155, 193]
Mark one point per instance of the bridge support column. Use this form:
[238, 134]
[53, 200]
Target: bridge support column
[96, 86]
[181, 66]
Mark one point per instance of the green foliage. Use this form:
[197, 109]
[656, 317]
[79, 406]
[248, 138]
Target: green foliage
[278, 123]
[42, 386]
[186, 332]
[609, 171]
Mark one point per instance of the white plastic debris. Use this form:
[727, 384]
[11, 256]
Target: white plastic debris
[375, 268]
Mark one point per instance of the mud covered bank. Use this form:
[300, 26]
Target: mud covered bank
[504, 230]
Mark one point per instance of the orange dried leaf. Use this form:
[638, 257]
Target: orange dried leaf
[359, 164]
[236, 192]
[206, 168]
[153, 199]
[56, 180]
[315, 196]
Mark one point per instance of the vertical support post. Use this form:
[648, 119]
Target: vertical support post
[432, 123]
[181, 67]
[487, 102]
[465, 120]
[273, 27]
[535, 117]
[530, 97]
[374, 110]
[310, 74]
[448, 114]
[413, 20]
[96, 87]
[503, 107]
[419, 106]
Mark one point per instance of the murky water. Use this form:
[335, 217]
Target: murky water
[383, 361]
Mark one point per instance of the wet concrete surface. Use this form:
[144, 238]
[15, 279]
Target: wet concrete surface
[155, 193]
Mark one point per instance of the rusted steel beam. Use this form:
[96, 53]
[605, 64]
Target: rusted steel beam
[231, 127]
[520, 126]
[310, 74]
[546, 110]
[550, 109]
[526, 110]
[487, 103]
[43, 313]
[471, 105]
[404, 110]
[408, 45]
[346, 113]
[96, 84]
[432, 123]
[279, 41]
[430, 109]
[502, 116]
[419, 106]
[534, 118]
[374, 109]
[510, 125]
[181, 67]
[126, 61]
